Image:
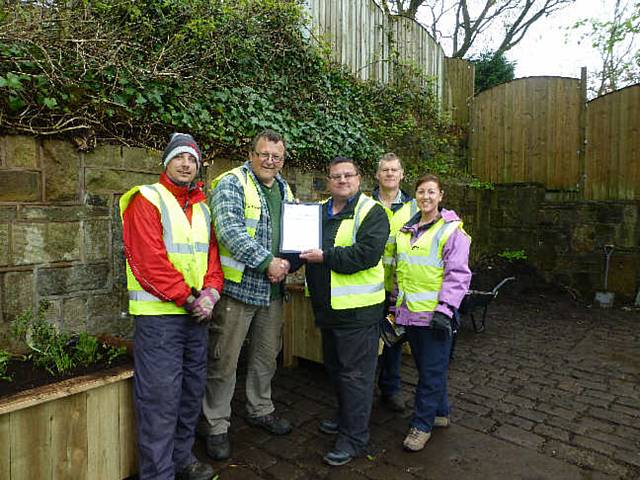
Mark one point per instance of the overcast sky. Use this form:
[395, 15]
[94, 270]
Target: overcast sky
[546, 50]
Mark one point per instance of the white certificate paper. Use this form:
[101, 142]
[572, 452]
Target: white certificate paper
[301, 227]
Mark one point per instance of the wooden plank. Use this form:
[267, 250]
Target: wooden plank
[69, 437]
[307, 338]
[31, 443]
[103, 432]
[127, 430]
[64, 388]
[5, 446]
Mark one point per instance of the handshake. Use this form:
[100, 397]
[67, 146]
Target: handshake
[200, 303]
[278, 269]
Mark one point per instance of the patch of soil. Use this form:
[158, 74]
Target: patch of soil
[26, 376]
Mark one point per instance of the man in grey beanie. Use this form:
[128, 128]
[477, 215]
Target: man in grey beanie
[174, 278]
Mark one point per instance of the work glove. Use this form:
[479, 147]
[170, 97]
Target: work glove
[441, 325]
[200, 304]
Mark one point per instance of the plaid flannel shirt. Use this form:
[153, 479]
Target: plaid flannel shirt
[227, 210]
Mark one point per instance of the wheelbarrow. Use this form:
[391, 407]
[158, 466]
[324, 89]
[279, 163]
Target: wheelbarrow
[475, 299]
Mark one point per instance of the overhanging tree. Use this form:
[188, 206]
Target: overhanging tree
[474, 20]
[616, 41]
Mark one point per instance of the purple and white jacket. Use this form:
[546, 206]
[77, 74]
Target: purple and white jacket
[457, 275]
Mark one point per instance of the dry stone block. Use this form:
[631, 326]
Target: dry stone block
[77, 278]
[74, 314]
[115, 181]
[19, 151]
[4, 244]
[61, 213]
[17, 293]
[142, 159]
[53, 314]
[61, 166]
[20, 186]
[104, 156]
[45, 242]
[8, 213]
[96, 239]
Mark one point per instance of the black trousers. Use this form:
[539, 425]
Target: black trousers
[350, 357]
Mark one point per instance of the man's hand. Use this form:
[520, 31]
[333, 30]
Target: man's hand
[278, 269]
[313, 256]
[201, 306]
[441, 325]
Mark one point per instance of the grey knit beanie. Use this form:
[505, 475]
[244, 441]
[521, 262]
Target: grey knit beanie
[180, 143]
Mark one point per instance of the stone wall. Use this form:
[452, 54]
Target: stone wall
[564, 239]
[60, 234]
[59, 230]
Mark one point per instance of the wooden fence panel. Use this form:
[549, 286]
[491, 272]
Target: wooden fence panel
[527, 130]
[363, 38]
[459, 89]
[613, 146]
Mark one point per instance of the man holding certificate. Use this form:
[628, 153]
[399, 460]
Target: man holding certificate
[346, 281]
[246, 205]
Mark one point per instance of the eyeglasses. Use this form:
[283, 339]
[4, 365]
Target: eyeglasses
[338, 176]
[264, 156]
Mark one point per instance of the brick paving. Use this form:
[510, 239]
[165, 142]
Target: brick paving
[548, 391]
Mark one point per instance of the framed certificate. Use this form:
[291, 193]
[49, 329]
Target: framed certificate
[300, 227]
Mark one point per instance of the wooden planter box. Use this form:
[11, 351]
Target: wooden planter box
[81, 428]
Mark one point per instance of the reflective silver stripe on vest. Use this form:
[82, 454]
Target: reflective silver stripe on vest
[207, 218]
[356, 290]
[432, 260]
[356, 219]
[421, 296]
[388, 260]
[251, 222]
[422, 261]
[391, 240]
[167, 234]
[142, 295]
[231, 263]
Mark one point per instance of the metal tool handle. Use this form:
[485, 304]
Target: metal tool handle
[608, 250]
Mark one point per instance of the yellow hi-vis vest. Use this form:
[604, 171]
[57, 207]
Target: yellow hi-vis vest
[396, 222]
[232, 268]
[363, 288]
[187, 247]
[419, 267]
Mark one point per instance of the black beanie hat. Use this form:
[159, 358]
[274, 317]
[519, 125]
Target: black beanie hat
[180, 143]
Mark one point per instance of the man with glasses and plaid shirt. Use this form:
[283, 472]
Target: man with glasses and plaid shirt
[246, 208]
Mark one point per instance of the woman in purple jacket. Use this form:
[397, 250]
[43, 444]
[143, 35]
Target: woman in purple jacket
[432, 277]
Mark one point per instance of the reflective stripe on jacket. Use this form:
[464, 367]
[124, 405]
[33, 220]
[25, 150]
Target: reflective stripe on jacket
[396, 222]
[187, 246]
[419, 267]
[365, 287]
[232, 268]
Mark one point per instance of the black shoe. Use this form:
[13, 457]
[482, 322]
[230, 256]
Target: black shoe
[271, 423]
[393, 402]
[335, 458]
[330, 427]
[195, 471]
[218, 446]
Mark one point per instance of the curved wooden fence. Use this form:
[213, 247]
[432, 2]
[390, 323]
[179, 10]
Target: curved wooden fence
[613, 146]
[528, 130]
[364, 38]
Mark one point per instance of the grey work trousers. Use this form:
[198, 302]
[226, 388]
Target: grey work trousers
[232, 322]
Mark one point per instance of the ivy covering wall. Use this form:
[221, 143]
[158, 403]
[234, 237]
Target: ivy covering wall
[222, 70]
